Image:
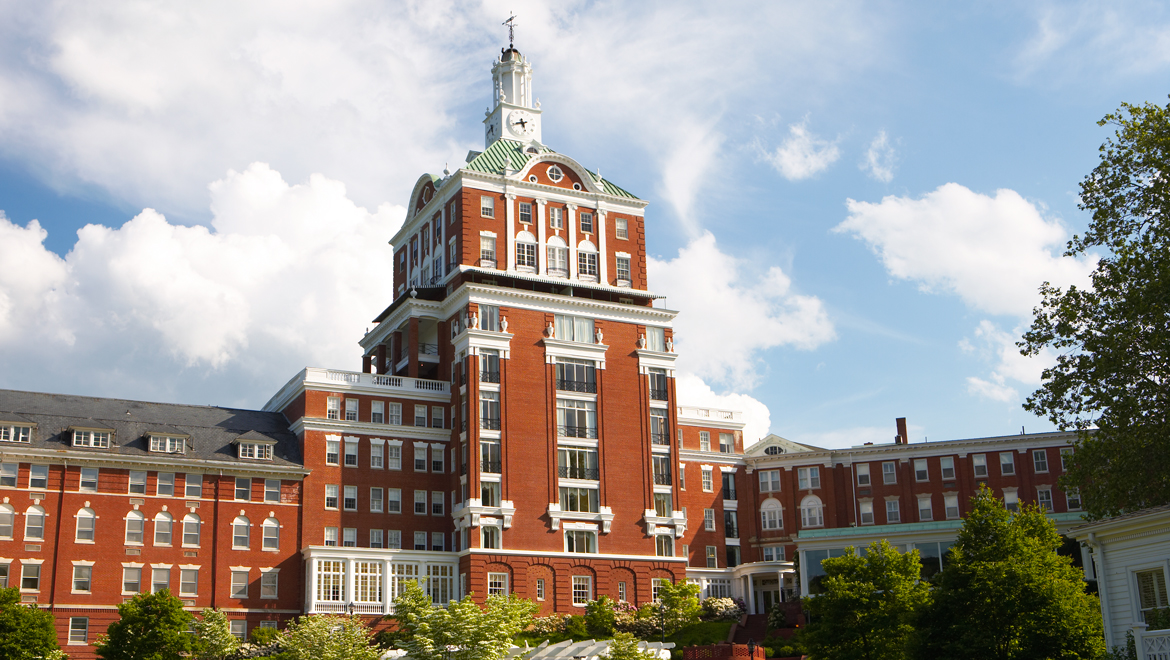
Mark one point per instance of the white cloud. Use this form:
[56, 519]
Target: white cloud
[286, 276]
[998, 348]
[803, 154]
[692, 391]
[1073, 42]
[993, 252]
[994, 389]
[729, 314]
[880, 158]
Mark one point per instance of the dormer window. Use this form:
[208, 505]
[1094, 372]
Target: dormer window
[168, 444]
[255, 450]
[91, 438]
[15, 432]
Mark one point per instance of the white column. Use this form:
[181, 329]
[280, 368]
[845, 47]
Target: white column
[602, 256]
[347, 597]
[542, 249]
[510, 215]
[571, 219]
[386, 599]
[311, 600]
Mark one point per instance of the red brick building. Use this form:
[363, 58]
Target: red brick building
[514, 428]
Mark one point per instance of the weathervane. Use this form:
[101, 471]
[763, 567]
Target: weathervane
[511, 23]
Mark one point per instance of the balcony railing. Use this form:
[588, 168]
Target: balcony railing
[568, 472]
[492, 467]
[659, 438]
[489, 423]
[566, 385]
[489, 376]
[558, 272]
[485, 262]
[729, 494]
[428, 349]
[577, 432]
[662, 479]
[658, 395]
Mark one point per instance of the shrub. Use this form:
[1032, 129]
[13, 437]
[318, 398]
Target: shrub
[600, 617]
[548, 626]
[575, 627]
[722, 609]
[263, 636]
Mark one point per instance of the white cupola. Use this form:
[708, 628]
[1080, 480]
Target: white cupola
[515, 115]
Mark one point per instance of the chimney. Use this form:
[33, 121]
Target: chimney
[902, 438]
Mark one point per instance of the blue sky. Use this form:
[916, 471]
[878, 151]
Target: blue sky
[852, 204]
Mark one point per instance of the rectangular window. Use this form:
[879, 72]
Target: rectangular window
[78, 630]
[81, 577]
[160, 578]
[349, 537]
[539, 588]
[1011, 500]
[377, 456]
[377, 412]
[243, 489]
[863, 474]
[893, 512]
[623, 271]
[708, 480]
[808, 478]
[420, 415]
[729, 486]
[1065, 456]
[420, 458]
[704, 441]
[333, 407]
[587, 263]
[437, 500]
[376, 500]
[709, 520]
[656, 339]
[925, 510]
[272, 490]
[889, 472]
[131, 579]
[556, 218]
[438, 541]
[572, 498]
[582, 589]
[351, 453]
[349, 501]
[574, 328]
[733, 556]
[376, 538]
[664, 545]
[193, 485]
[952, 504]
[1007, 463]
[394, 539]
[1151, 588]
[769, 481]
[525, 212]
[1040, 460]
[487, 207]
[99, 439]
[331, 537]
[622, 230]
[437, 417]
[726, 443]
[351, 410]
[239, 629]
[948, 467]
[979, 465]
[420, 503]
[1073, 498]
[731, 524]
[576, 419]
[394, 457]
[164, 485]
[437, 460]
[1044, 499]
[89, 480]
[490, 537]
[239, 584]
[586, 222]
[497, 584]
[487, 251]
[771, 519]
[921, 473]
[332, 452]
[866, 513]
[420, 540]
[394, 413]
[8, 472]
[393, 500]
[269, 584]
[712, 557]
[168, 444]
[331, 496]
[188, 581]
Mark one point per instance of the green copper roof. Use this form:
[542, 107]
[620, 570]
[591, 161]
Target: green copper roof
[504, 152]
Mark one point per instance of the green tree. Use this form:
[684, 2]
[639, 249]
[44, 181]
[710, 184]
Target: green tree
[151, 627]
[213, 636]
[681, 602]
[1007, 595]
[327, 637]
[26, 632]
[462, 630]
[600, 617]
[868, 606]
[1112, 341]
[625, 647]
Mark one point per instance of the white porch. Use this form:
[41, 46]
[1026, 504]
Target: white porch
[366, 581]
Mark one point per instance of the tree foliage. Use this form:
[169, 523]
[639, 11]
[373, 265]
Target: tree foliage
[213, 636]
[868, 607]
[680, 601]
[151, 627]
[625, 647]
[461, 631]
[26, 632]
[1112, 340]
[1007, 595]
[327, 637]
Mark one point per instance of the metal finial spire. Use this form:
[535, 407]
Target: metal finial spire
[511, 23]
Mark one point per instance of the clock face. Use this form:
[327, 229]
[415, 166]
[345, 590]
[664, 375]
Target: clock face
[521, 123]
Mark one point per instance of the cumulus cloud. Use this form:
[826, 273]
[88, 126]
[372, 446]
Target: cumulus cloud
[880, 158]
[693, 391]
[991, 251]
[286, 275]
[803, 154]
[703, 282]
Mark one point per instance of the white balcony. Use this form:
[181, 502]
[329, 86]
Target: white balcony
[377, 381]
[604, 516]
[676, 519]
[473, 510]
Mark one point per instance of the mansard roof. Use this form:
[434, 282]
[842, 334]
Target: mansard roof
[516, 155]
[210, 430]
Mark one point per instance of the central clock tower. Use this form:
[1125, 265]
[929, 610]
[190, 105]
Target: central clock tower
[515, 116]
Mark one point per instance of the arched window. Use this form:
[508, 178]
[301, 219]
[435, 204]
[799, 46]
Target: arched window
[811, 512]
[771, 515]
[191, 524]
[162, 529]
[7, 519]
[34, 523]
[271, 529]
[240, 532]
[773, 450]
[587, 261]
[86, 522]
[526, 252]
[558, 257]
[135, 525]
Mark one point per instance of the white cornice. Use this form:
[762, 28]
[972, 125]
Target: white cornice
[863, 454]
[376, 430]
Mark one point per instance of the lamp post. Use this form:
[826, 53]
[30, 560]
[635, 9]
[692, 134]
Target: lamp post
[751, 648]
[662, 620]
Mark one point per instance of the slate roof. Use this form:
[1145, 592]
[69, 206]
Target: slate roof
[493, 159]
[211, 428]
